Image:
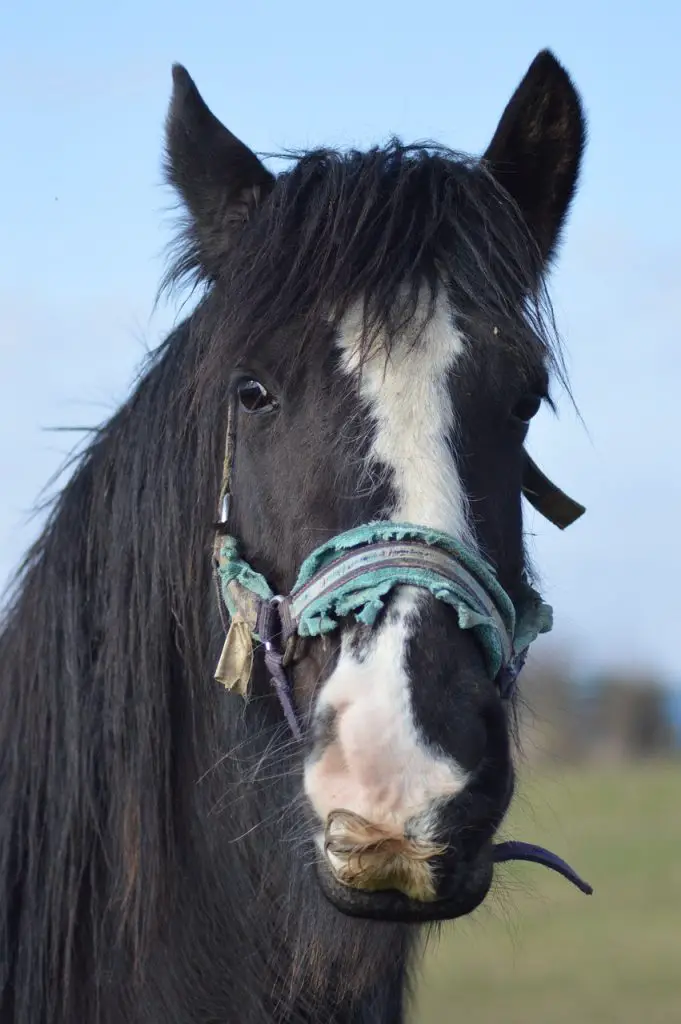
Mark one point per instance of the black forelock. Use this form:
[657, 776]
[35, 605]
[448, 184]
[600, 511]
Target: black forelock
[378, 228]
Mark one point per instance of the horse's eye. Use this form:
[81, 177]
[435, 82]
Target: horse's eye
[526, 408]
[254, 397]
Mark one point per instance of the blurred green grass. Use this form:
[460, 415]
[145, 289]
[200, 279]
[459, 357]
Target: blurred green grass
[538, 951]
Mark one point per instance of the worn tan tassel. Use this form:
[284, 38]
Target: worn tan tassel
[236, 661]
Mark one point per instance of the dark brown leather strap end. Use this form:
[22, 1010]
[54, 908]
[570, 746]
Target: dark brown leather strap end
[548, 499]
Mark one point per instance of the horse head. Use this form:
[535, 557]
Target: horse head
[377, 324]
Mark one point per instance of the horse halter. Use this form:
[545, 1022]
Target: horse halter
[351, 575]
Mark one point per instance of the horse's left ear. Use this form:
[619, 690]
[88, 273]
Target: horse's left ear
[537, 149]
[217, 176]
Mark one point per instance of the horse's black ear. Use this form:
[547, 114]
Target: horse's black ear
[219, 178]
[537, 148]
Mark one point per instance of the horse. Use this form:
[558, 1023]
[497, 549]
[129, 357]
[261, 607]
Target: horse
[230, 793]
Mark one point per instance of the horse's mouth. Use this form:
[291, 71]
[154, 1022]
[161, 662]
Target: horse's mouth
[462, 893]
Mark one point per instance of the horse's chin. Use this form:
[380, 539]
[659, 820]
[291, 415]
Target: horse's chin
[461, 894]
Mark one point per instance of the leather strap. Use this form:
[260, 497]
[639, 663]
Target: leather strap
[548, 499]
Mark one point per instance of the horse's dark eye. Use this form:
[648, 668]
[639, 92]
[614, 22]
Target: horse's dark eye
[526, 408]
[254, 397]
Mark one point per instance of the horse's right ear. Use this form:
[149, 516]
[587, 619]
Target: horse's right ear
[219, 179]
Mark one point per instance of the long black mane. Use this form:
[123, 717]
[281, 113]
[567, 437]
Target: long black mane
[126, 775]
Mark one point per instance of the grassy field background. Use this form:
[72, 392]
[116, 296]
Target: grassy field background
[538, 951]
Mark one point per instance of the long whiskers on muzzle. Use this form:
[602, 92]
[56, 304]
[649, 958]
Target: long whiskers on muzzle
[373, 857]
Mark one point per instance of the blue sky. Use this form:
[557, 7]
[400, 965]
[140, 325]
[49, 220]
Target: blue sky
[84, 220]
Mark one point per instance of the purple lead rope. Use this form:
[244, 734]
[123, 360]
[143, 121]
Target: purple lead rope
[514, 850]
[280, 681]
[269, 631]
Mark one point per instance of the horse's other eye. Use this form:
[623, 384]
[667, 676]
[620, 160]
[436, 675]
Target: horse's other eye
[528, 407]
[254, 397]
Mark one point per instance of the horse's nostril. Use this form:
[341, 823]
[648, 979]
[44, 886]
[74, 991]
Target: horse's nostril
[323, 731]
[469, 821]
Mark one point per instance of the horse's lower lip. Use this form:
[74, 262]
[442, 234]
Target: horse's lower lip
[466, 892]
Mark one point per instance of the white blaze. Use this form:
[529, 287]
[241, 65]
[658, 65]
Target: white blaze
[378, 765]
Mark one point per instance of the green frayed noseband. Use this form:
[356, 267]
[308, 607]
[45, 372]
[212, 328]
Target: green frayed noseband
[352, 574]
